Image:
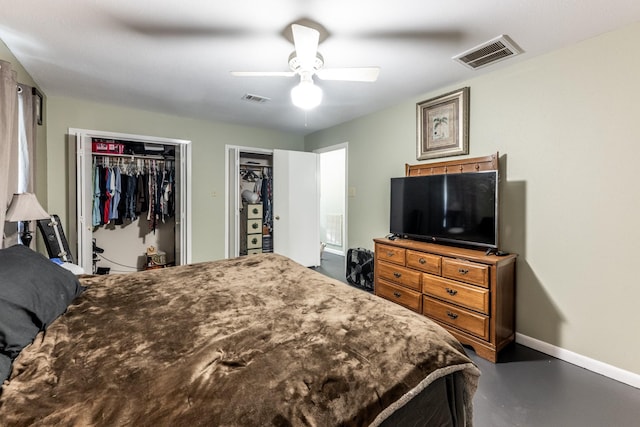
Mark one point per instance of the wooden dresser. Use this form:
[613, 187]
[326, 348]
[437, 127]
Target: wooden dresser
[469, 293]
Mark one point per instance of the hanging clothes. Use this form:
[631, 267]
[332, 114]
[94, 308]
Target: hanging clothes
[123, 191]
[267, 198]
[95, 214]
[116, 191]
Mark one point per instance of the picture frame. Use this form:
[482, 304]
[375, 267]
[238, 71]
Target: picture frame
[38, 106]
[443, 125]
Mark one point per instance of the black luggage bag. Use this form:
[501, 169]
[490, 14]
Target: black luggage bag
[360, 268]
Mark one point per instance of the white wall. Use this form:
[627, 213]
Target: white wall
[564, 125]
[332, 193]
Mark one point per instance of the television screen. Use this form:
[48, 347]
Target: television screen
[457, 208]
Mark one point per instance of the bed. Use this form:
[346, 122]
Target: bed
[249, 341]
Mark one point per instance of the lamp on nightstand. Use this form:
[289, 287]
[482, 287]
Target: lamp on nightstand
[24, 208]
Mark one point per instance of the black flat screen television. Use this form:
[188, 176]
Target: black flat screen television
[460, 209]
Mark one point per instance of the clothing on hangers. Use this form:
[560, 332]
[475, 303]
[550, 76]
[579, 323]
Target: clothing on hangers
[123, 188]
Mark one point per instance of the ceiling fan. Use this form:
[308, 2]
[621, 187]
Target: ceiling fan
[306, 62]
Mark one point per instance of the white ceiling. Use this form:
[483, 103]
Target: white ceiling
[175, 57]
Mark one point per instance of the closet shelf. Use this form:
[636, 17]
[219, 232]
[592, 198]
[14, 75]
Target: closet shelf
[135, 156]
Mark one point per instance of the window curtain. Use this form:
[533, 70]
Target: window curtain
[8, 143]
[26, 139]
[17, 145]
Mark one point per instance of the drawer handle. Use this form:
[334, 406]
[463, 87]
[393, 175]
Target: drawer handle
[462, 271]
[254, 225]
[255, 210]
[450, 291]
[397, 275]
[452, 315]
[254, 241]
[422, 261]
[397, 294]
[390, 254]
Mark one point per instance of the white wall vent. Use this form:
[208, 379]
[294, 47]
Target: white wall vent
[495, 50]
[255, 98]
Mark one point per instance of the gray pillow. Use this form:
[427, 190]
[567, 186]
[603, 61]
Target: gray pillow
[34, 291]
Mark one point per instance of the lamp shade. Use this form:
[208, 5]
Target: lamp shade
[306, 95]
[25, 207]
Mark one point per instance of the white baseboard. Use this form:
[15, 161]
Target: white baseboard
[593, 365]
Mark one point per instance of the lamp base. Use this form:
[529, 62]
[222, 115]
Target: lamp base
[26, 237]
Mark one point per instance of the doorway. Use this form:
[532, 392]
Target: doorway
[333, 198]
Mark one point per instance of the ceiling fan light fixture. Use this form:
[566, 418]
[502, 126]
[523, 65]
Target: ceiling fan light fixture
[306, 95]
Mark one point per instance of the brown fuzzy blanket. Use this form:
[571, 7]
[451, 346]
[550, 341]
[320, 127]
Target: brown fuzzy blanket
[250, 341]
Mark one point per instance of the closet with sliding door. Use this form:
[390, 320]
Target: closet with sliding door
[132, 201]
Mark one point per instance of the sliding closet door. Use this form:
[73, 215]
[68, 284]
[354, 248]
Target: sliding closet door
[296, 225]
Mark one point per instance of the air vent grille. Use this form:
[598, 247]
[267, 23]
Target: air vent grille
[498, 49]
[255, 98]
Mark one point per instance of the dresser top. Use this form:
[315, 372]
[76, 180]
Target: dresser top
[477, 255]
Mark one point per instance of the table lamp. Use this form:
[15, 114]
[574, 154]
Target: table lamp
[24, 208]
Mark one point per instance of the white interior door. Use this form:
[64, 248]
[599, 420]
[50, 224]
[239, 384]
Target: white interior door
[296, 211]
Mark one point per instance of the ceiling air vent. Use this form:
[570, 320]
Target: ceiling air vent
[502, 47]
[255, 98]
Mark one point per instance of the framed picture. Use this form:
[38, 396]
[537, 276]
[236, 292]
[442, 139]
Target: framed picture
[39, 112]
[443, 125]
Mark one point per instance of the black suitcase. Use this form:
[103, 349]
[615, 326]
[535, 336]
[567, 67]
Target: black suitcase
[360, 268]
[54, 239]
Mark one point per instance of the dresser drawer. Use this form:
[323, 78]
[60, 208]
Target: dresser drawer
[428, 263]
[465, 271]
[465, 320]
[399, 275]
[254, 211]
[400, 295]
[254, 241]
[254, 226]
[390, 254]
[472, 297]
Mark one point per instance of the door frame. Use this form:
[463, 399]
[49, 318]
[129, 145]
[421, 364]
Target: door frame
[232, 220]
[345, 216]
[82, 161]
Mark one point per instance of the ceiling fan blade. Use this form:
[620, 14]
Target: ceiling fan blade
[305, 40]
[263, 73]
[362, 74]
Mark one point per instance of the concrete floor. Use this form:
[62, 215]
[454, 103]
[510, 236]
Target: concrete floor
[530, 389]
